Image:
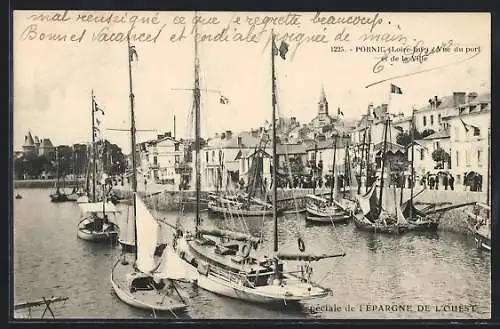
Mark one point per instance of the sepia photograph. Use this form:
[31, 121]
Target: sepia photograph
[250, 165]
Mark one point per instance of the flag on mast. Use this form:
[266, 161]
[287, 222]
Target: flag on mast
[133, 53]
[282, 50]
[395, 89]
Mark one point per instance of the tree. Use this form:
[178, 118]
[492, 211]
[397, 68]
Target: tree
[427, 132]
[440, 156]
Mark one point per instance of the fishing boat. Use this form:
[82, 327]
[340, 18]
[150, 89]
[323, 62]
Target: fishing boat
[322, 210]
[95, 224]
[59, 195]
[244, 203]
[26, 310]
[18, 196]
[231, 267]
[380, 213]
[146, 279]
[417, 220]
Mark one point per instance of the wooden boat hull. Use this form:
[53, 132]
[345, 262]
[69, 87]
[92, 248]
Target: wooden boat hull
[58, 198]
[242, 212]
[373, 227]
[426, 225]
[482, 242]
[109, 235]
[147, 300]
[293, 291]
[344, 218]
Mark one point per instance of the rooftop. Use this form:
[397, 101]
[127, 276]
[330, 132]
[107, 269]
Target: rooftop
[437, 135]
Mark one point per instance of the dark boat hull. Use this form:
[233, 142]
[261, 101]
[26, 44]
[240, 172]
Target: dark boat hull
[59, 198]
[378, 228]
[430, 225]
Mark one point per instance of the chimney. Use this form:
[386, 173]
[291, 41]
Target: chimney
[229, 134]
[168, 134]
[255, 133]
[471, 96]
[240, 141]
[222, 135]
[160, 136]
[458, 98]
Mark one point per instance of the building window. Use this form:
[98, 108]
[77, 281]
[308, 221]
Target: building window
[432, 119]
[177, 159]
[479, 157]
[477, 131]
[439, 118]
[176, 147]
[467, 158]
[206, 156]
[213, 155]
[422, 154]
[436, 146]
[155, 160]
[425, 121]
[458, 163]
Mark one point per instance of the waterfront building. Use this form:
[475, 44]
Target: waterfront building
[469, 128]
[219, 157]
[163, 159]
[431, 115]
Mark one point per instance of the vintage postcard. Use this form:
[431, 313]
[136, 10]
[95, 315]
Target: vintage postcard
[251, 165]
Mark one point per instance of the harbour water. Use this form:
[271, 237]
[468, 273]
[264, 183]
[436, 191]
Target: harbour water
[441, 273]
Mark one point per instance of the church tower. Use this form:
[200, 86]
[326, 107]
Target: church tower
[322, 104]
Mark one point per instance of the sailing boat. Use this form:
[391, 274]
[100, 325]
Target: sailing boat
[95, 224]
[480, 217]
[244, 203]
[321, 210]
[148, 280]
[417, 219]
[380, 213]
[58, 196]
[230, 269]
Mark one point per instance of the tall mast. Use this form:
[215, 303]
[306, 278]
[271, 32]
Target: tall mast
[275, 191]
[412, 175]
[369, 133]
[333, 167]
[197, 96]
[383, 164]
[57, 170]
[94, 153]
[489, 168]
[132, 138]
[361, 159]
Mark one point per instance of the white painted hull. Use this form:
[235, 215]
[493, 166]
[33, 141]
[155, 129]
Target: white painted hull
[277, 294]
[146, 300]
[292, 290]
[97, 236]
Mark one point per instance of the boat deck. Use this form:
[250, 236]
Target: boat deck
[164, 299]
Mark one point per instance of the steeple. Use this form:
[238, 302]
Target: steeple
[323, 103]
[28, 140]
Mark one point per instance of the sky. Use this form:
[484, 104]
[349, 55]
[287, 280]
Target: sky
[53, 80]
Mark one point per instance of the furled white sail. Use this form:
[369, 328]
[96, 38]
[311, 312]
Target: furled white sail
[389, 200]
[172, 267]
[401, 218]
[364, 200]
[127, 221]
[147, 231]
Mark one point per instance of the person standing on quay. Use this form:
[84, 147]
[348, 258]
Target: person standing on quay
[445, 182]
[451, 180]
